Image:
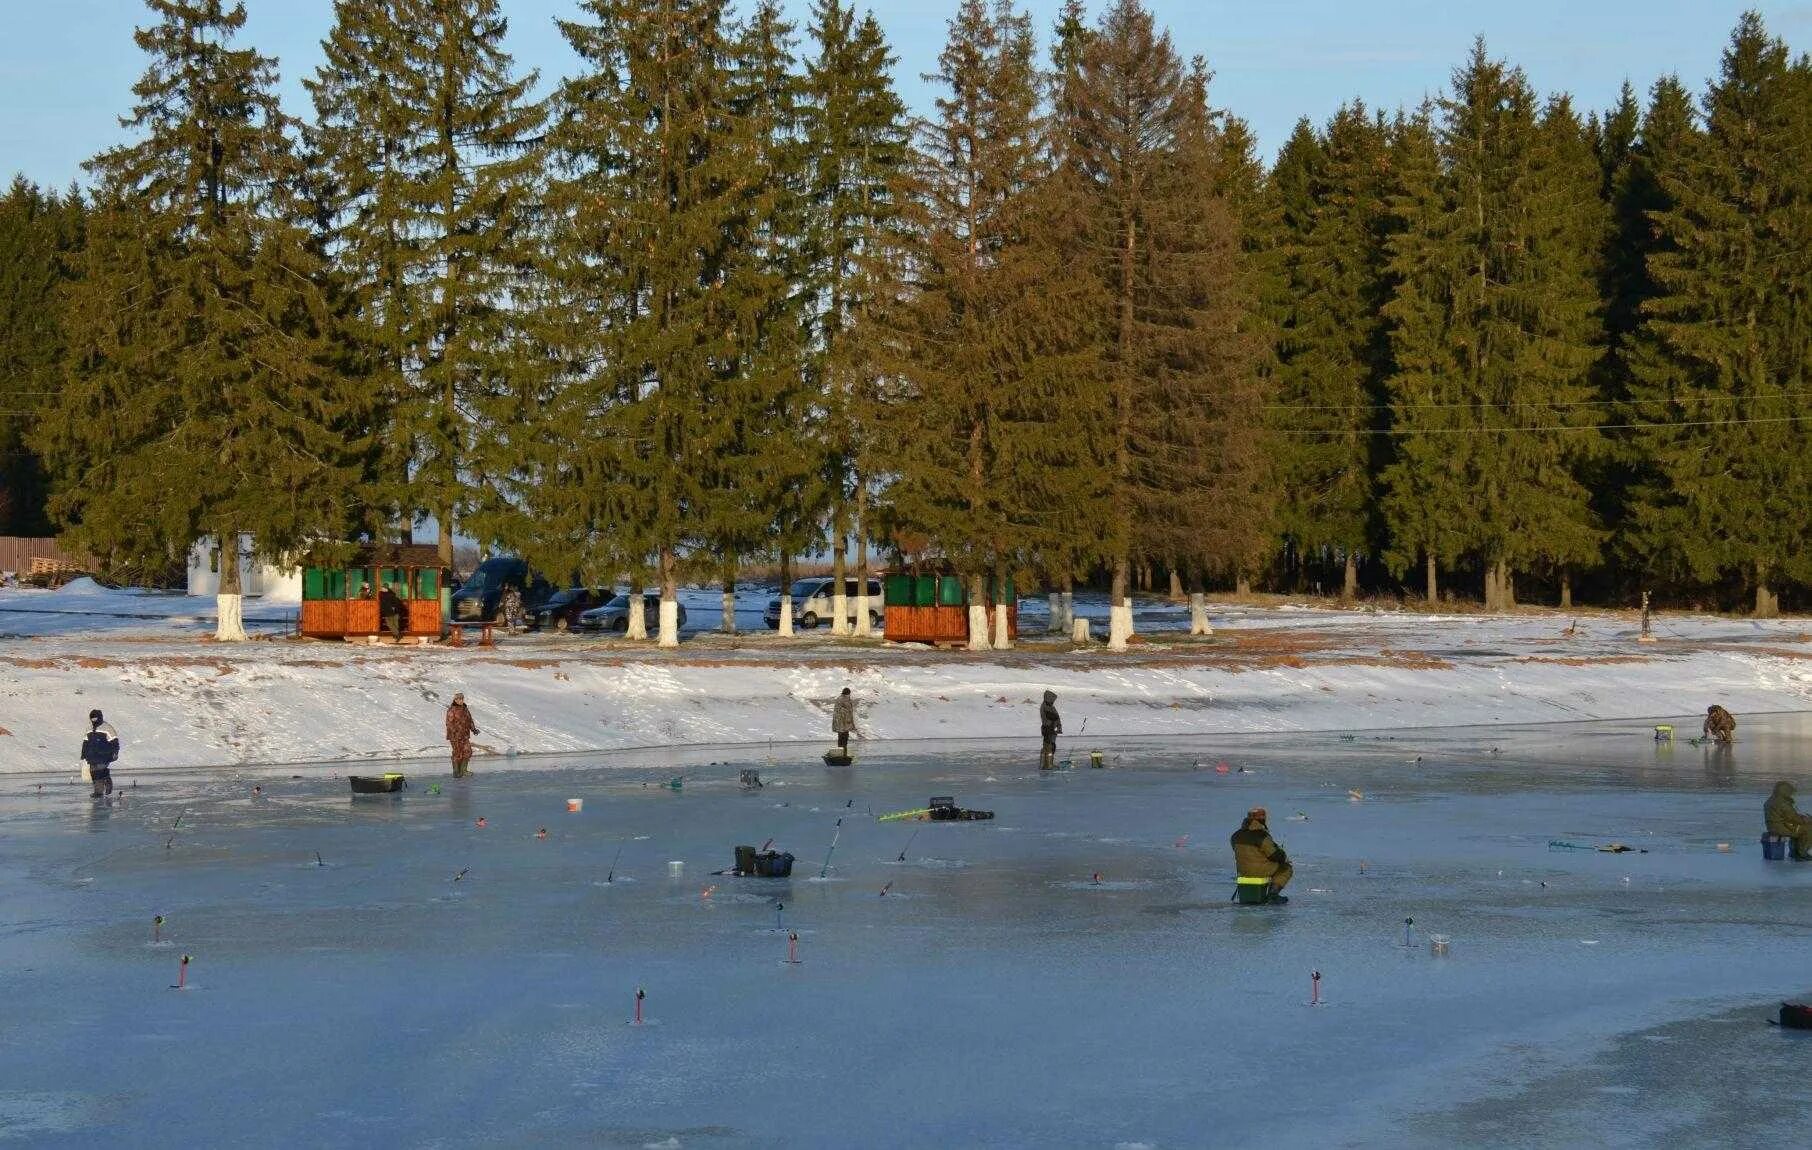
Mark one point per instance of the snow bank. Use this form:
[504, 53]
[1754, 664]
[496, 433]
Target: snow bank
[186, 703]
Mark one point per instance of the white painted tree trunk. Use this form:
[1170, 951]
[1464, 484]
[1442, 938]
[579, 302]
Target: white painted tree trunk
[1079, 632]
[637, 615]
[978, 627]
[1119, 625]
[1056, 624]
[669, 622]
[230, 626]
[728, 626]
[861, 622]
[1003, 632]
[1198, 614]
[839, 612]
[1069, 611]
[786, 613]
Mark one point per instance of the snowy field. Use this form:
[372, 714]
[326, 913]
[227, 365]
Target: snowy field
[180, 700]
[997, 994]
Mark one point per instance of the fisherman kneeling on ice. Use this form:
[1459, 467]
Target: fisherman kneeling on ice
[1257, 855]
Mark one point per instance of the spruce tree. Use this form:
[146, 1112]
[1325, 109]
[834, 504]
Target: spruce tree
[1497, 328]
[984, 359]
[857, 149]
[1719, 373]
[422, 137]
[1182, 353]
[762, 463]
[1423, 488]
[650, 301]
[1333, 359]
[199, 399]
[40, 238]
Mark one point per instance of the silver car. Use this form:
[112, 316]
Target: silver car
[813, 603]
[614, 615]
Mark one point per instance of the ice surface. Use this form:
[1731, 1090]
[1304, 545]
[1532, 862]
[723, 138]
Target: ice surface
[996, 996]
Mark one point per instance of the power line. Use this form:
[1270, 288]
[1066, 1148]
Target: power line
[1407, 431]
[1522, 405]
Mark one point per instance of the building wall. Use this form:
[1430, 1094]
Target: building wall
[265, 580]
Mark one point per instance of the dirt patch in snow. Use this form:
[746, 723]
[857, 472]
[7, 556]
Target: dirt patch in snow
[1582, 661]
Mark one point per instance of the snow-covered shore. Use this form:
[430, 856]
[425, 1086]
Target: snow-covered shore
[180, 701]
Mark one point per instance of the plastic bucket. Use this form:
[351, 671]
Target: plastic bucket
[675, 869]
[574, 806]
[1774, 848]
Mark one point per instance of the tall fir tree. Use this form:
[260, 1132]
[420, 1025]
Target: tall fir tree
[651, 304]
[41, 234]
[1332, 192]
[983, 355]
[1182, 359]
[1496, 329]
[762, 460]
[1719, 370]
[423, 143]
[857, 150]
[200, 397]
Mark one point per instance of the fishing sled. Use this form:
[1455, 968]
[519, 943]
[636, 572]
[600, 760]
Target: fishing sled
[388, 784]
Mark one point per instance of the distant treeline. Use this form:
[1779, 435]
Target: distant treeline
[717, 300]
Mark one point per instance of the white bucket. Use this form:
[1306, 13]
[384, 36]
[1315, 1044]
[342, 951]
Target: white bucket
[574, 806]
[1437, 945]
[675, 869]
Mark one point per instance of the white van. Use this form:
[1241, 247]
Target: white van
[812, 603]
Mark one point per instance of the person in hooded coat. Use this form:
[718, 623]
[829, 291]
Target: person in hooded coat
[391, 612]
[460, 729]
[843, 719]
[1049, 727]
[1783, 819]
[1719, 724]
[1257, 855]
[100, 748]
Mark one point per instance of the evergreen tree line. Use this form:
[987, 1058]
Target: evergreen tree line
[716, 298]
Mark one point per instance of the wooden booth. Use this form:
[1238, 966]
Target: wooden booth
[935, 608]
[340, 600]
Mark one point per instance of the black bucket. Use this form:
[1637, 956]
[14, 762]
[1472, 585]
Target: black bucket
[1796, 1016]
[774, 864]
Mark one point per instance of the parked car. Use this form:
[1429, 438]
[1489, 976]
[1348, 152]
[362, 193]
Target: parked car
[813, 603]
[614, 615]
[477, 599]
[562, 610]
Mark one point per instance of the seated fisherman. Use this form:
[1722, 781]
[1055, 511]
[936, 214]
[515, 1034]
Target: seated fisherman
[1719, 724]
[1783, 819]
[1257, 854]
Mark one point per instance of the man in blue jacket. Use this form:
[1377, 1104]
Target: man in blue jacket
[99, 750]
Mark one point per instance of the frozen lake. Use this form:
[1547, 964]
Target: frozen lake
[996, 995]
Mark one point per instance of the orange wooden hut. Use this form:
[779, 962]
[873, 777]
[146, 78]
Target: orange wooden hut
[340, 600]
[934, 608]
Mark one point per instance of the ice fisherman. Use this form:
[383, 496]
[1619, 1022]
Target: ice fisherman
[1257, 855]
[1719, 724]
[390, 612]
[1050, 725]
[843, 719]
[460, 729]
[100, 748]
[1783, 819]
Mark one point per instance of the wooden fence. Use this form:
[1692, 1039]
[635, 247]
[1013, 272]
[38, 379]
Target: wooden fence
[17, 552]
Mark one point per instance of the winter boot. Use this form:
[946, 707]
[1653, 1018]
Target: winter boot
[1047, 761]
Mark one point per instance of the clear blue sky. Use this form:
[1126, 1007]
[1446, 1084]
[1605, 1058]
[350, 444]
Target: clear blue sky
[66, 66]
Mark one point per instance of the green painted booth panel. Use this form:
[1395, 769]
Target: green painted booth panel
[314, 583]
[427, 583]
[950, 591]
[897, 591]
